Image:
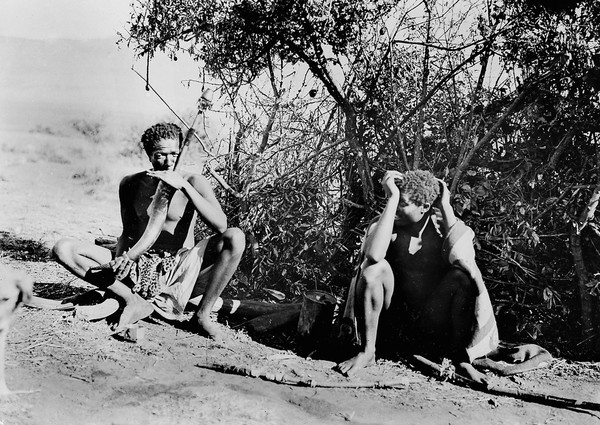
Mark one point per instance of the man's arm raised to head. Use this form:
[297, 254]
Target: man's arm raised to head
[379, 235]
[443, 203]
[200, 193]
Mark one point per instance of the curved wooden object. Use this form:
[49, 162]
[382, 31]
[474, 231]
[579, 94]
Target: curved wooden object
[506, 361]
[158, 214]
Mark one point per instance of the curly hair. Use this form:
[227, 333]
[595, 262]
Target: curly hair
[421, 186]
[159, 132]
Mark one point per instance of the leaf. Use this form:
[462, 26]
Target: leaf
[278, 295]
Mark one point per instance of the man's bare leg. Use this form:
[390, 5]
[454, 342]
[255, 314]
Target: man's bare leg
[230, 249]
[375, 289]
[462, 313]
[454, 303]
[79, 257]
[136, 308]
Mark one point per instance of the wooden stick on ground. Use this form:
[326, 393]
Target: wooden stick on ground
[280, 378]
[534, 397]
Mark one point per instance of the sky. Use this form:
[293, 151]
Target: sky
[53, 19]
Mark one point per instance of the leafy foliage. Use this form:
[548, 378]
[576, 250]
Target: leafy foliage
[293, 239]
[499, 98]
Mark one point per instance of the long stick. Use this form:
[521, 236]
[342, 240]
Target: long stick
[174, 113]
[281, 379]
[211, 170]
[540, 398]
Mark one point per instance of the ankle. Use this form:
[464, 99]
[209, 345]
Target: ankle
[368, 349]
[202, 316]
[132, 298]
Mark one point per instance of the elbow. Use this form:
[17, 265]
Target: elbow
[221, 224]
[374, 257]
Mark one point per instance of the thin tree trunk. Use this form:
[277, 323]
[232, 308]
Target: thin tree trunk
[583, 276]
[417, 151]
[487, 138]
[361, 160]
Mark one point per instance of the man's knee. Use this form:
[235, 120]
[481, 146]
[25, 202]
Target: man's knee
[63, 248]
[375, 275]
[235, 240]
[460, 281]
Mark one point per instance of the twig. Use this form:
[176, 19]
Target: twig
[81, 378]
[586, 340]
[37, 344]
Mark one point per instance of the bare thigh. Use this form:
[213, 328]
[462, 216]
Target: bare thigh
[450, 307]
[78, 257]
[212, 251]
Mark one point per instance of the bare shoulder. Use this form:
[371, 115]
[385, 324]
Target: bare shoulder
[131, 178]
[130, 181]
[200, 182]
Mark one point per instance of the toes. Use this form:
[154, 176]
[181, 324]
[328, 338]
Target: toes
[342, 367]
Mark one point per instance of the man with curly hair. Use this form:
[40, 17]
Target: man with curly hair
[418, 278]
[176, 267]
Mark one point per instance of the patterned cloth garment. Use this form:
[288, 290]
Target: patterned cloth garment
[147, 273]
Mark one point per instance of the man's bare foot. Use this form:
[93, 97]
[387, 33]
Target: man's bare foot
[468, 370]
[361, 360]
[209, 328]
[135, 309]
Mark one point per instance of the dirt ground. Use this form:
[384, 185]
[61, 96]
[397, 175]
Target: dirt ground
[69, 371]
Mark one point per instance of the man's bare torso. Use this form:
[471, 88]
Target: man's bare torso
[178, 229]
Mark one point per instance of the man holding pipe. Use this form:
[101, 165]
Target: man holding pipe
[175, 268]
[418, 277]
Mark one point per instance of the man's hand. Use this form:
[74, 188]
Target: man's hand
[443, 203]
[172, 178]
[443, 199]
[121, 266]
[389, 185]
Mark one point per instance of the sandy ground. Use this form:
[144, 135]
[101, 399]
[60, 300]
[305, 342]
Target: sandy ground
[72, 372]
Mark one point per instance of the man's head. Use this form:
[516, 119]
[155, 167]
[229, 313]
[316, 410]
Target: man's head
[418, 190]
[162, 143]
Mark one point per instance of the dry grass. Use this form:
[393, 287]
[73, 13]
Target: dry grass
[23, 249]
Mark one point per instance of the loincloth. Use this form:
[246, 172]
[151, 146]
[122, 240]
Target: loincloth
[147, 276]
[166, 279]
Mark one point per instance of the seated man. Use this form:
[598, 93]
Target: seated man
[164, 277]
[418, 271]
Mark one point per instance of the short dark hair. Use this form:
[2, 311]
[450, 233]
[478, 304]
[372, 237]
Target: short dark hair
[159, 132]
[421, 186]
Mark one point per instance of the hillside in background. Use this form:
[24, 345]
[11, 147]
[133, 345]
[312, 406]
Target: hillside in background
[50, 83]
